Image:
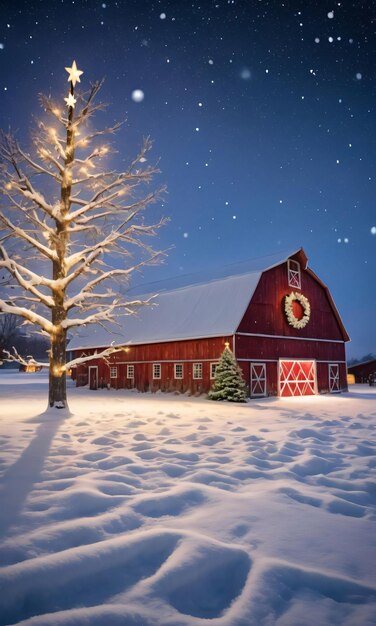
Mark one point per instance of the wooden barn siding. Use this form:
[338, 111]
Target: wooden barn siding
[322, 373]
[260, 348]
[205, 351]
[257, 349]
[266, 315]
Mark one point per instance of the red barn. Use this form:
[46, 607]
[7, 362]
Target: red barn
[364, 371]
[277, 315]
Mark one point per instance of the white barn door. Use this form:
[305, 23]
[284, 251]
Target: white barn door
[297, 378]
[258, 380]
[334, 378]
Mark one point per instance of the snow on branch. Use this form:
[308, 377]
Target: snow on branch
[17, 358]
[107, 313]
[102, 354]
[30, 316]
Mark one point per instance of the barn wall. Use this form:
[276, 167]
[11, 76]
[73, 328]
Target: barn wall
[321, 339]
[259, 348]
[187, 353]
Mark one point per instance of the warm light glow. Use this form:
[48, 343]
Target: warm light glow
[8, 186]
[227, 345]
[31, 368]
[84, 170]
[56, 111]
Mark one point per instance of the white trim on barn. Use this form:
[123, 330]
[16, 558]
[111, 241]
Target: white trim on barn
[288, 337]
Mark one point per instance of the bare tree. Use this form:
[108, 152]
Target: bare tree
[9, 325]
[66, 222]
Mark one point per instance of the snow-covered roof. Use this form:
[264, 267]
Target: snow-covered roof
[208, 309]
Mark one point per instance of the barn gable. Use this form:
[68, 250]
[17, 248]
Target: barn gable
[265, 313]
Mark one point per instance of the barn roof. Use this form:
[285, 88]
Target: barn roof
[202, 307]
[361, 363]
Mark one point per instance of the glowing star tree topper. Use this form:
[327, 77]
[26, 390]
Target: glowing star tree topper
[74, 74]
[65, 244]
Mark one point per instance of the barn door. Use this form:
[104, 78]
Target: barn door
[258, 380]
[93, 377]
[334, 378]
[297, 378]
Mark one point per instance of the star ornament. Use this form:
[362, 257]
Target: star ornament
[74, 74]
[71, 100]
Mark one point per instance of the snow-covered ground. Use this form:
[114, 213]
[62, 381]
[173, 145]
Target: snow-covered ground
[144, 510]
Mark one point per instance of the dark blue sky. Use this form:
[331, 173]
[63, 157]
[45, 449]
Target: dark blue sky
[262, 114]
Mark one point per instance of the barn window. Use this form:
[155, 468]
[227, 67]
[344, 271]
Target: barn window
[156, 371]
[197, 371]
[178, 367]
[213, 367]
[294, 273]
[113, 372]
[130, 371]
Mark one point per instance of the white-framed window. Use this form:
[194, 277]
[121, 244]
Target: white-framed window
[130, 371]
[197, 371]
[156, 371]
[293, 269]
[213, 367]
[178, 371]
[113, 371]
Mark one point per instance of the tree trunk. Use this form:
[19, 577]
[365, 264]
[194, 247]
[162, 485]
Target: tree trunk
[57, 394]
[57, 380]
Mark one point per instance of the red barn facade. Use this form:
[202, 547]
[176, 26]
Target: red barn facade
[278, 318]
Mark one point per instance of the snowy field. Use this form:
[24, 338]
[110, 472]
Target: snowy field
[156, 510]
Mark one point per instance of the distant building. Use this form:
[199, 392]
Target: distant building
[363, 371]
[277, 315]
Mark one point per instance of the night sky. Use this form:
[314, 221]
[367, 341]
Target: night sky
[262, 114]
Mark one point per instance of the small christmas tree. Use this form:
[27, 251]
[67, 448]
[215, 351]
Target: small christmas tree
[228, 384]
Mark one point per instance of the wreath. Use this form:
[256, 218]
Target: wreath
[292, 320]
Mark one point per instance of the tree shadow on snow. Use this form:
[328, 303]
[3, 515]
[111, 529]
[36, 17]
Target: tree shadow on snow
[17, 483]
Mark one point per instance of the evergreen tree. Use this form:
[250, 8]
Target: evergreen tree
[228, 384]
